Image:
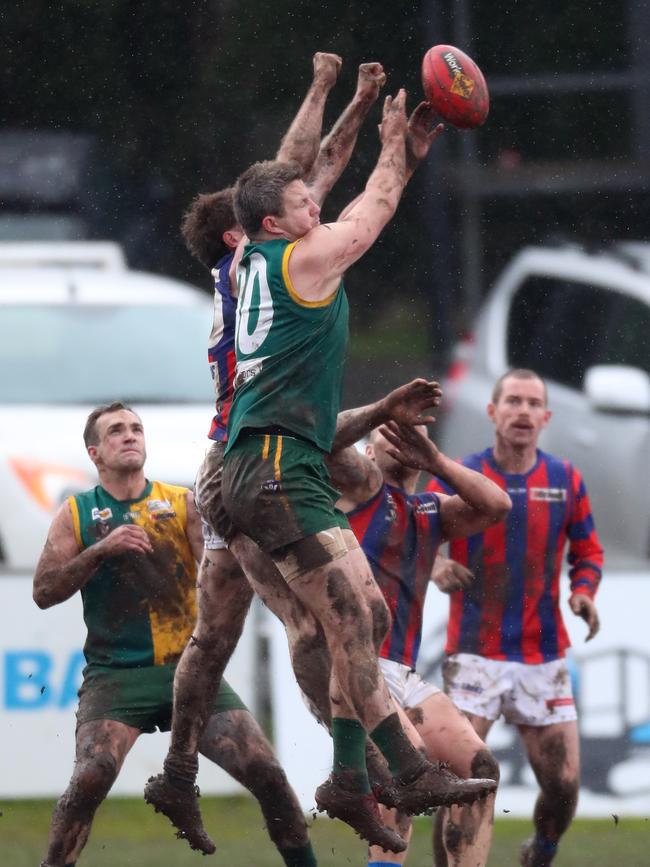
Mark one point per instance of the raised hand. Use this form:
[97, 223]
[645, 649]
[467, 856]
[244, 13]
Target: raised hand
[407, 404]
[421, 133]
[410, 446]
[393, 122]
[370, 81]
[326, 68]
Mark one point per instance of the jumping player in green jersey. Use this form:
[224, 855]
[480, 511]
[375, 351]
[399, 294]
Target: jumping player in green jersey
[130, 547]
[211, 232]
[276, 489]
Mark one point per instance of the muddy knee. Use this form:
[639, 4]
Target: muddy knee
[92, 781]
[485, 766]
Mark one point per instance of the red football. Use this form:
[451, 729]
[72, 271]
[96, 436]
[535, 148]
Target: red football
[455, 86]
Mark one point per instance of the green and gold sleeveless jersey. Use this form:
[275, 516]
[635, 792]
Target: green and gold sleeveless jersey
[140, 609]
[290, 352]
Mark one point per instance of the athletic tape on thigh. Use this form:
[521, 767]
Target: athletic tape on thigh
[309, 553]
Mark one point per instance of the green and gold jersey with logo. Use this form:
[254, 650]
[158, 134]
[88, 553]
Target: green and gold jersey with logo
[290, 352]
[140, 609]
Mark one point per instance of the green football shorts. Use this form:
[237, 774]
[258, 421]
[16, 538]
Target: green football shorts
[277, 490]
[139, 697]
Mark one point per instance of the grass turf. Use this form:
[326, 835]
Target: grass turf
[128, 833]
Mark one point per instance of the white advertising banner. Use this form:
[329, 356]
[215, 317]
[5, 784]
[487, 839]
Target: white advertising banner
[40, 672]
[611, 676]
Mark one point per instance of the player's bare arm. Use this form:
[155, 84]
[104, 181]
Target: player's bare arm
[479, 502]
[302, 139]
[337, 147]
[420, 136]
[407, 404]
[584, 606]
[326, 252]
[62, 570]
[449, 576]
[355, 476]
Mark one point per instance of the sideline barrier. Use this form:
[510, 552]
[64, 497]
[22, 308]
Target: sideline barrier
[40, 671]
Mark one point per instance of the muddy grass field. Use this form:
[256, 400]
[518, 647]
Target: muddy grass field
[127, 833]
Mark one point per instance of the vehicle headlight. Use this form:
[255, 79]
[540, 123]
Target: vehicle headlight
[50, 484]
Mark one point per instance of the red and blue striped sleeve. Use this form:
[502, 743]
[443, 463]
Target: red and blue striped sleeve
[585, 551]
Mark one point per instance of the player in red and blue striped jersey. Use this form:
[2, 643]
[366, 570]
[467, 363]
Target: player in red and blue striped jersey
[399, 531]
[506, 638]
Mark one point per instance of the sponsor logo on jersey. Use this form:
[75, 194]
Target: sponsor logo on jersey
[160, 510]
[430, 508]
[101, 514]
[548, 495]
[133, 515]
[247, 374]
[517, 490]
[159, 506]
[392, 509]
[271, 485]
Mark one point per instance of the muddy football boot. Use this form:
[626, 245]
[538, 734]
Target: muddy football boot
[181, 806]
[359, 811]
[437, 786]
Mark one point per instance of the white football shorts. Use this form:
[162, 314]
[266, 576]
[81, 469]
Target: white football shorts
[533, 695]
[405, 685]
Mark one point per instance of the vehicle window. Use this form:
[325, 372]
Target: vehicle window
[98, 353]
[561, 328]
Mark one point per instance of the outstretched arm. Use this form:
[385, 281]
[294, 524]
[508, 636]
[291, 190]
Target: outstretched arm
[420, 135]
[336, 149]
[405, 404]
[318, 262]
[478, 503]
[302, 139]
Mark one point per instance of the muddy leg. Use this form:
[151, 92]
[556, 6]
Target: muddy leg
[101, 746]
[234, 741]
[462, 835]
[554, 754]
[307, 646]
[223, 600]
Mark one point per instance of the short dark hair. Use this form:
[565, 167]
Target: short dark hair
[90, 430]
[516, 373]
[203, 225]
[259, 192]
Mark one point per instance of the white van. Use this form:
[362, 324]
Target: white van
[582, 321]
[78, 329]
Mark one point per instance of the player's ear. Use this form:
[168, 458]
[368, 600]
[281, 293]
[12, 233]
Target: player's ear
[270, 225]
[92, 454]
[490, 411]
[547, 417]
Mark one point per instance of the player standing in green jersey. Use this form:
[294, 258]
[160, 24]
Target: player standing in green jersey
[291, 337]
[130, 547]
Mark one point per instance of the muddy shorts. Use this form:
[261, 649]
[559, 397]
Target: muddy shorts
[207, 496]
[533, 695]
[277, 490]
[405, 685]
[139, 697]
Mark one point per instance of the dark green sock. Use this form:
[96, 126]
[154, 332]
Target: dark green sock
[402, 757]
[349, 739]
[302, 857]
